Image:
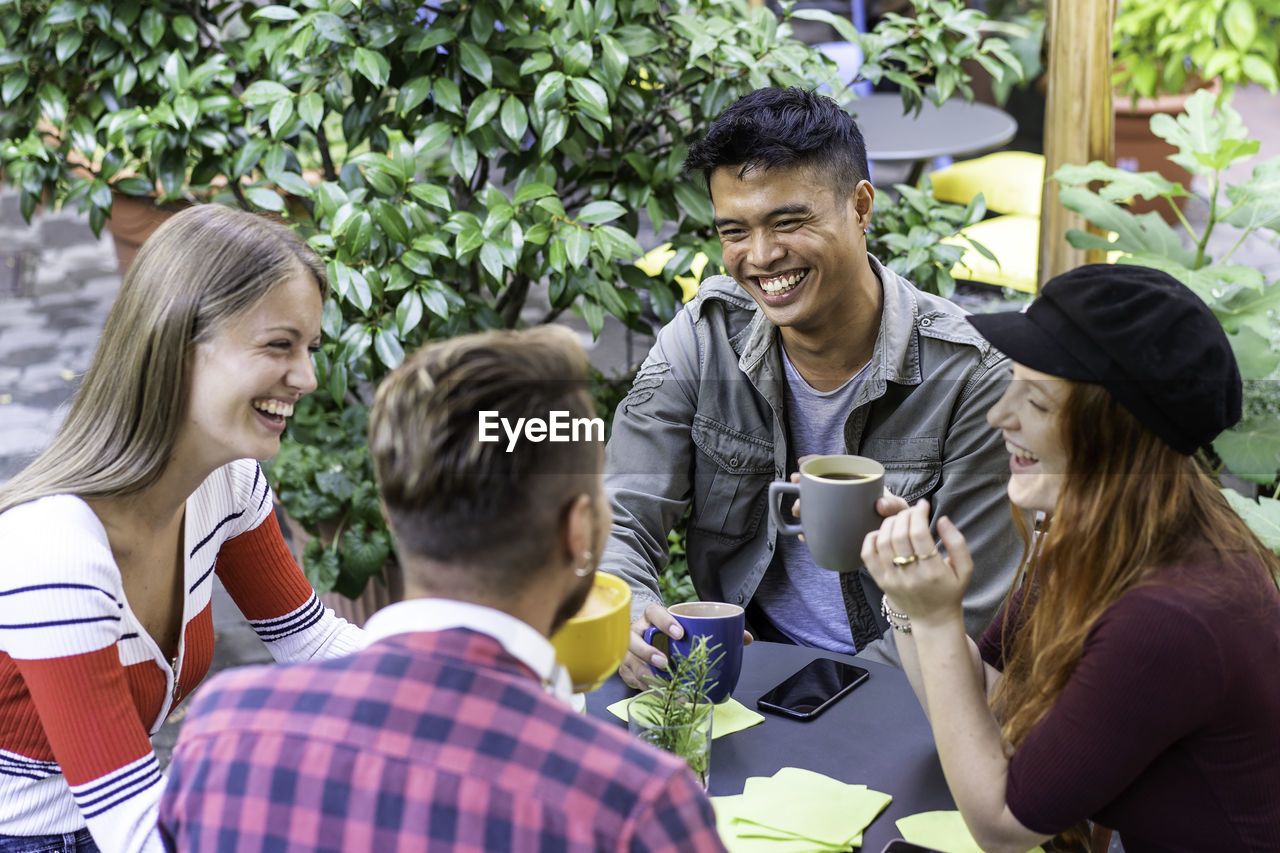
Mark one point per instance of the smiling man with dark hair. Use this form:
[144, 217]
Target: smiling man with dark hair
[809, 346]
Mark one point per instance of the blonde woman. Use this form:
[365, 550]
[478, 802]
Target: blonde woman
[110, 539]
[1131, 678]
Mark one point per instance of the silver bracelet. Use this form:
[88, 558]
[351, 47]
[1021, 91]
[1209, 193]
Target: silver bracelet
[900, 622]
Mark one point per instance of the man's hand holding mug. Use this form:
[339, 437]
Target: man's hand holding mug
[642, 657]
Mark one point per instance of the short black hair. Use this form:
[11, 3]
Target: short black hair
[775, 127]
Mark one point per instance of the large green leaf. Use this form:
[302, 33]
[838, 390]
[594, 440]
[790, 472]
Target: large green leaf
[590, 97]
[277, 13]
[373, 66]
[1134, 234]
[1118, 184]
[432, 194]
[266, 92]
[577, 243]
[577, 59]
[593, 313]
[388, 348]
[492, 261]
[280, 116]
[531, 191]
[549, 92]
[311, 109]
[1254, 353]
[476, 62]
[1239, 297]
[1262, 516]
[151, 27]
[68, 43]
[447, 95]
[265, 198]
[515, 121]
[539, 61]
[14, 83]
[692, 197]
[1257, 200]
[1251, 449]
[1240, 22]
[553, 131]
[321, 566]
[392, 222]
[1205, 135]
[598, 212]
[1261, 71]
[483, 109]
[364, 553]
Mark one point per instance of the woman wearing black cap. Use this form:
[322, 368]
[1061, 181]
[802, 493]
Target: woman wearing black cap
[1133, 677]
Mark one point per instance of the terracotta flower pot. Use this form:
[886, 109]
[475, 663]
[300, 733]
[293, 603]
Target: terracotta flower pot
[133, 219]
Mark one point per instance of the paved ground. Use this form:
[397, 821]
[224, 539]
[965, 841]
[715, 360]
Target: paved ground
[57, 282]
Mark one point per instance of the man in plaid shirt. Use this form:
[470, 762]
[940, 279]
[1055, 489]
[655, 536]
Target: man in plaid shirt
[451, 731]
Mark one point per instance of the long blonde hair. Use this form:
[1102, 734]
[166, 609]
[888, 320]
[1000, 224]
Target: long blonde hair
[1129, 504]
[202, 267]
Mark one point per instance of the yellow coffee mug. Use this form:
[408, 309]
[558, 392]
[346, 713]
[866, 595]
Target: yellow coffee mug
[592, 644]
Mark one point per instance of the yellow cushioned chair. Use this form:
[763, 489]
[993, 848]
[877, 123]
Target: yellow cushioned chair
[1014, 239]
[1011, 183]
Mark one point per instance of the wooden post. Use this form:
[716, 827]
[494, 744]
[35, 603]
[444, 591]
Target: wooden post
[1078, 118]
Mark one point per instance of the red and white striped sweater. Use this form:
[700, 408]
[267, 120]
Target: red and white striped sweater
[83, 686]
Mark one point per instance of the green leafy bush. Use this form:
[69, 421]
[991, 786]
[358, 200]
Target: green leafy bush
[909, 231]
[325, 478]
[922, 52]
[1160, 47]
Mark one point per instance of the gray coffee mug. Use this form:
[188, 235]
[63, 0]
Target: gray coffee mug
[837, 506]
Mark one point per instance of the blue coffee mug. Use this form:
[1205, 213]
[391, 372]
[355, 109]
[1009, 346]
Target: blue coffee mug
[723, 625]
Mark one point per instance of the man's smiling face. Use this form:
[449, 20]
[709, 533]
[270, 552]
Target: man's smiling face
[788, 240]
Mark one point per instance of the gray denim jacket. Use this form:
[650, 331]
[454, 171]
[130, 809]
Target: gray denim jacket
[704, 422]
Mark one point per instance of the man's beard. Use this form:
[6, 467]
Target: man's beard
[573, 603]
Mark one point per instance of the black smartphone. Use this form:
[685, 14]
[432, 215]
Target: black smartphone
[812, 689]
[897, 845]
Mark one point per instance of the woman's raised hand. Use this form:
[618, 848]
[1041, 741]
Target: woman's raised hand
[905, 562]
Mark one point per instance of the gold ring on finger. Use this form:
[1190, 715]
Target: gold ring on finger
[903, 562]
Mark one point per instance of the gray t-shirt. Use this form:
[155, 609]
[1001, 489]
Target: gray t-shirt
[801, 599]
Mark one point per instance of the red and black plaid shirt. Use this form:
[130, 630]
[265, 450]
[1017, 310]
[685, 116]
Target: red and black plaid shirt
[424, 741]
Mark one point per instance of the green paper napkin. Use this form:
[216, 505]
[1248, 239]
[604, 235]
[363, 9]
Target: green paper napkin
[729, 810]
[796, 810]
[729, 716]
[942, 830]
[810, 805]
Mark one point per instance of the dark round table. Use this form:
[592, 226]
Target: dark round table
[876, 736]
[955, 129]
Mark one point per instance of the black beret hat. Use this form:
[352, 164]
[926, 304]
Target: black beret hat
[1139, 332]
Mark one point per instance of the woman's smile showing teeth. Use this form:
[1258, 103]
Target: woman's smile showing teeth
[274, 411]
[776, 285]
[1020, 458]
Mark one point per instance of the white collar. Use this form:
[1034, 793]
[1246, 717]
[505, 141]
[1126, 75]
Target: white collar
[521, 640]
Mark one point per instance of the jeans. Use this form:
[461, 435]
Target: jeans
[72, 842]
